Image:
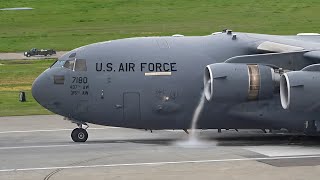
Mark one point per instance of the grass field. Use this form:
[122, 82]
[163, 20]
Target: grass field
[16, 76]
[64, 25]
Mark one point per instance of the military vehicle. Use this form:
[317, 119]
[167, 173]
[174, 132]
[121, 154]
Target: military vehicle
[43, 52]
[250, 81]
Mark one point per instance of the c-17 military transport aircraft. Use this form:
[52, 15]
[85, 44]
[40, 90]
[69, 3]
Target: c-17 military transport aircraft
[250, 81]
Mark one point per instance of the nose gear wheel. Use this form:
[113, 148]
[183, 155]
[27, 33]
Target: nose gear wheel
[79, 135]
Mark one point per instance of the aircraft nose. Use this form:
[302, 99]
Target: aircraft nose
[39, 87]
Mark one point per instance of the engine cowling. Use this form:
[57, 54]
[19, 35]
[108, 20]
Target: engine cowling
[239, 82]
[299, 90]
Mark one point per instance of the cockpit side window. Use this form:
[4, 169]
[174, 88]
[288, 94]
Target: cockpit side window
[69, 64]
[80, 65]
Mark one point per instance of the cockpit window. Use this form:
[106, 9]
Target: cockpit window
[72, 55]
[74, 64]
[69, 64]
[80, 65]
[58, 63]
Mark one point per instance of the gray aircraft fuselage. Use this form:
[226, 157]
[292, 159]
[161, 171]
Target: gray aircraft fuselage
[157, 82]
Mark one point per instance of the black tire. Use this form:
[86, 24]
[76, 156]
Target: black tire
[79, 135]
[28, 55]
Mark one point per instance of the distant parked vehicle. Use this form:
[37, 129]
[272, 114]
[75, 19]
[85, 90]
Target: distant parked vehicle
[43, 52]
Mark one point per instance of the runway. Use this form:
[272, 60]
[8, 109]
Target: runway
[40, 147]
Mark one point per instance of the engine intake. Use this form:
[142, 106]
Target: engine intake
[239, 82]
[299, 91]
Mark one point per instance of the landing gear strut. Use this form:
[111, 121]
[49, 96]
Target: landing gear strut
[311, 128]
[79, 135]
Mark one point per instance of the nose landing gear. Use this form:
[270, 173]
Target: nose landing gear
[80, 134]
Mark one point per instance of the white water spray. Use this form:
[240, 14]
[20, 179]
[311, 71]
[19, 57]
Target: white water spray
[193, 140]
[196, 115]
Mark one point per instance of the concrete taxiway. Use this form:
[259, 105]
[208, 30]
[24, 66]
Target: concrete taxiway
[40, 147]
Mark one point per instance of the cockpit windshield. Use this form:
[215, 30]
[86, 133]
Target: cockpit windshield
[73, 64]
[58, 63]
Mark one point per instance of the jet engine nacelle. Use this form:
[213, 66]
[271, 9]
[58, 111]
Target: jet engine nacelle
[239, 82]
[299, 90]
